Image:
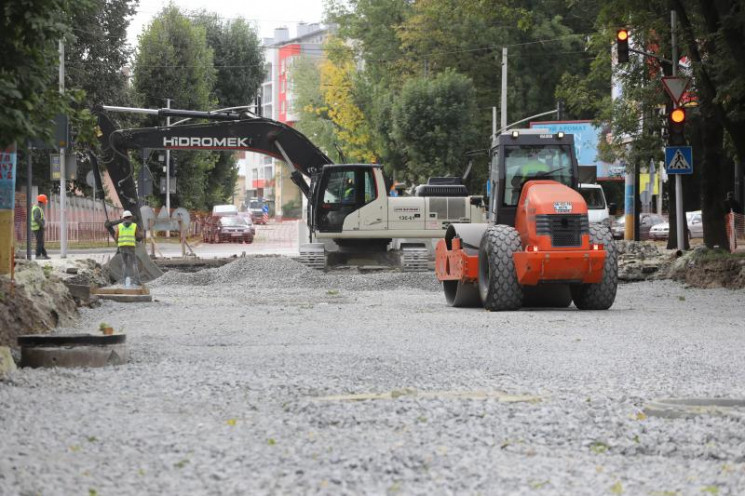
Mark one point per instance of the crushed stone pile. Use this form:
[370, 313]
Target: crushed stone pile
[86, 272]
[37, 304]
[641, 261]
[273, 272]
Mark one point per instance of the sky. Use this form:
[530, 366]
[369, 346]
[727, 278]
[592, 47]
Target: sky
[265, 14]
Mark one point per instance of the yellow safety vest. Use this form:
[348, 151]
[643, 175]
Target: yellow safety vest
[35, 225]
[127, 235]
[533, 167]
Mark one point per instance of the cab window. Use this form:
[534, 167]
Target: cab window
[523, 163]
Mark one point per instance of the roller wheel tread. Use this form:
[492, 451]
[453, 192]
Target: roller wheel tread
[599, 296]
[498, 285]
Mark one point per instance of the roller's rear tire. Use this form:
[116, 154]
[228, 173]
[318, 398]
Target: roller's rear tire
[599, 296]
[460, 294]
[498, 286]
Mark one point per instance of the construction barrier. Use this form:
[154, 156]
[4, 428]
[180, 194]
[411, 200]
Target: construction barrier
[735, 230]
[85, 219]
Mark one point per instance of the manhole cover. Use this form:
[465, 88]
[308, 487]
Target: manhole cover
[72, 350]
[689, 407]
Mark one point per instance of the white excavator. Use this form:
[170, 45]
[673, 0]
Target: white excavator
[348, 204]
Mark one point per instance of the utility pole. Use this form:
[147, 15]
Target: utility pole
[28, 199]
[679, 215]
[503, 121]
[168, 170]
[63, 172]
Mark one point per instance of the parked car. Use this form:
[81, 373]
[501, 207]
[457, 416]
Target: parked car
[659, 231]
[695, 227]
[646, 221]
[228, 228]
[695, 224]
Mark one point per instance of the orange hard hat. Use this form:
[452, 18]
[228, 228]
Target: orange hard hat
[41, 198]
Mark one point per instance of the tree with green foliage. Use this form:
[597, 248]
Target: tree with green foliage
[239, 65]
[97, 52]
[400, 40]
[434, 123]
[31, 30]
[174, 61]
[716, 125]
[238, 58]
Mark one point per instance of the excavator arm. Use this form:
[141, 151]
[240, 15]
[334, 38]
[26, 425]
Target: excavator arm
[230, 132]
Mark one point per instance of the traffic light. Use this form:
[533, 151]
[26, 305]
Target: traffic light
[676, 127]
[622, 46]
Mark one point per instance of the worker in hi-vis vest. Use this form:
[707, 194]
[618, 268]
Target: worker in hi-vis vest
[127, 235]
[37, 226]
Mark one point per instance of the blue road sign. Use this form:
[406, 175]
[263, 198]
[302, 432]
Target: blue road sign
[679, 160]
[265, 209]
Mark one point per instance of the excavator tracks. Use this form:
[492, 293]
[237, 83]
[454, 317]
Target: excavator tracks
[313, 255]
[415, 259]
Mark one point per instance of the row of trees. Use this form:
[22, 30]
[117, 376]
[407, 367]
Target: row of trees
[411, 84]
[198, 60]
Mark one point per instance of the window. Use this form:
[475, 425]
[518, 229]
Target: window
[340, 187]
[534, 162]
[593, 197]
[370, 192]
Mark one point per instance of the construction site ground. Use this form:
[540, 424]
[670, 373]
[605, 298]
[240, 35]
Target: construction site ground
[263, 376]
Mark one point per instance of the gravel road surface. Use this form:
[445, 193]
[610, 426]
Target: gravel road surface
[264, 377]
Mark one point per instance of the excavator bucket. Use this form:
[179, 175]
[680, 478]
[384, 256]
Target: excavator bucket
[148, 270]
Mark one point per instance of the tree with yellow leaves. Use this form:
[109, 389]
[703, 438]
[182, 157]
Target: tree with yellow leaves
[338, 74]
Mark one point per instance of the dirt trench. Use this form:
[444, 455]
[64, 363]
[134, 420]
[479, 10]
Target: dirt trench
[36, 303]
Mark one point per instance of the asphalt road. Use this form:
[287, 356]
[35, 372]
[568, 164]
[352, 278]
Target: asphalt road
[263, 377]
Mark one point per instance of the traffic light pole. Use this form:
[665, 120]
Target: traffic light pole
[168, 170]
[679, 215]
[62, 171]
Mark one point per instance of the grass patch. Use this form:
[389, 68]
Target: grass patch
[717, 254]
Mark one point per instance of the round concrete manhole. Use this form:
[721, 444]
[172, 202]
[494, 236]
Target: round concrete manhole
[72, 350]
[689, 407]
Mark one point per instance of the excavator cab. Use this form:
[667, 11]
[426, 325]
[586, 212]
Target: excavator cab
[341, 192]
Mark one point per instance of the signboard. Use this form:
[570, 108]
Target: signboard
[7, 177]
[679, 159]
[54, 167]
[675, 86]
[163, 185]
[585, 138]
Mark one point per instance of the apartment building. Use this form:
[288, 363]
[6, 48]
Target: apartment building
[267, 177]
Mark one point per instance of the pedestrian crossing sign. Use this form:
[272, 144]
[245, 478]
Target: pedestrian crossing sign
[679, 160]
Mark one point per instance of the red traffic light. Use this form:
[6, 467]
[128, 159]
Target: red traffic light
[622, 35]
[678, 115]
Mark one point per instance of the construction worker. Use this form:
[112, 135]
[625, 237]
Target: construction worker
[126, 235]
[38, 224]
[348, 191]
[534, 166]
[731, 204]
[531, 168]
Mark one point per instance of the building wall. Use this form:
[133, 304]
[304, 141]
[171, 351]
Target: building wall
[266, 177]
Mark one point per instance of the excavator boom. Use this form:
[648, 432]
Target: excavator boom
[253, 134]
